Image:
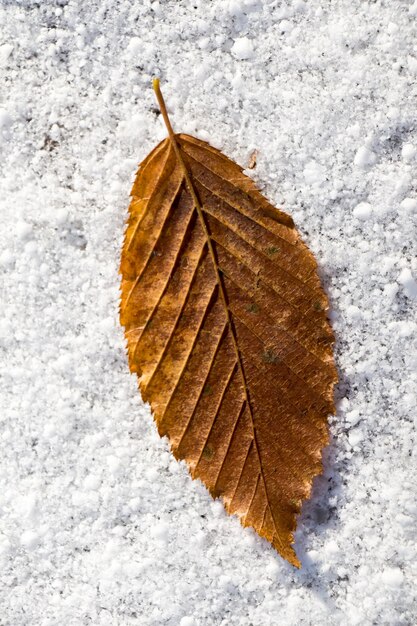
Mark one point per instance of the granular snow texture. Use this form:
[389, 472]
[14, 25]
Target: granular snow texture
[99, 524]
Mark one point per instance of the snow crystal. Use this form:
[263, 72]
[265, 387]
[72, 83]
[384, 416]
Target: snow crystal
[407, 281]
[243, 48]
[408, 152]
[409, 204]
[134, 47]
[5, 119]
[355, 437]
[29, 539]
[392, 576]
[92, 482]
[5, 51]
[160, 531]
[364, 157]
[314, 173]
[390, 291]
[363, 211]
[7, 258]
[353, 417]
[332, 547]
[23, 230]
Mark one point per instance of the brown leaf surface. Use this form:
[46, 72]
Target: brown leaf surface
[226, 326]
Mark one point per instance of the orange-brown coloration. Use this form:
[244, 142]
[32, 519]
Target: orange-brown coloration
[226, 326]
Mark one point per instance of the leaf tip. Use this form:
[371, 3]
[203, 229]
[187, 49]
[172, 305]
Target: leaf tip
[292, 558]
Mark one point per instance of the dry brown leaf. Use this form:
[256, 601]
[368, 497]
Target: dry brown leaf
[252, 160]
[226, 326]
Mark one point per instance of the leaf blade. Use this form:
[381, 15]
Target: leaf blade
[221, 370]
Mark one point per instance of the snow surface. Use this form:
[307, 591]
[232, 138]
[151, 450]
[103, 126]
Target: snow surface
[99, 525]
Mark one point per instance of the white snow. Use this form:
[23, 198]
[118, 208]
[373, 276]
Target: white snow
[409, 204]
[5, 119]
[364, 157]
[243, 48]
[314, 173]
[408, 282]
[355, 437]
[408, 152]
[362, 211]
[29, 539]
[392, 576]
[6, 50]
[98, 523]
[188, 621]
[23, 230]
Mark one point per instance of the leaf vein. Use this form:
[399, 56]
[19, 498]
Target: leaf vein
[213, 358]
[219, 404]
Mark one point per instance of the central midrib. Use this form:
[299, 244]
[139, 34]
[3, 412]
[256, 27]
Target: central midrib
[222, 293]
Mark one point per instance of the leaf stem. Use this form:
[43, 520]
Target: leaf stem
[162, 106]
